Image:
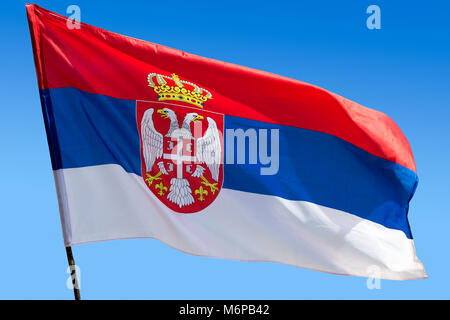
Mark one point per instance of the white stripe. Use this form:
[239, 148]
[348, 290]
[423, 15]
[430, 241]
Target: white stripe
[105, 202]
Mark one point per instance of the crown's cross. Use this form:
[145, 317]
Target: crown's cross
[177, 80]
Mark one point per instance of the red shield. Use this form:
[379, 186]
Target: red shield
[181, 154]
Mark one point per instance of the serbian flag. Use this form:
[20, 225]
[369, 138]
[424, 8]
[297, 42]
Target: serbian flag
[219, 160]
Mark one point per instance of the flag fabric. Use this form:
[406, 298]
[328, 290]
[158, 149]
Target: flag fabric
[219, 160]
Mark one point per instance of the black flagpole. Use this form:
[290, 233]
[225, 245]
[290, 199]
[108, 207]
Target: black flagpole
[73, 273]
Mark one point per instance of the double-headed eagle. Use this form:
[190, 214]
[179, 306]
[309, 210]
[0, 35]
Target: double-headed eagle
[208, 151]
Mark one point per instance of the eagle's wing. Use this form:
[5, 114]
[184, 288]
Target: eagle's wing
[152, 140]
[209, 149]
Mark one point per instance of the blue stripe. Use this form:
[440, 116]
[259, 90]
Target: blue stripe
[50, 129]
[329, 171]
[93, 129]
[88, 129]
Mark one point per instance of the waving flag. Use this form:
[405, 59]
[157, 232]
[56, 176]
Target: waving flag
[219, 160]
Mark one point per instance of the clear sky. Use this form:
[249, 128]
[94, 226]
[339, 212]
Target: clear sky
[402, 70]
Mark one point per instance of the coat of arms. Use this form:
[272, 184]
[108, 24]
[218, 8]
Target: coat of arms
[181, 144]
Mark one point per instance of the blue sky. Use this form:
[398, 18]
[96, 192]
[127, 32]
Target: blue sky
[402, 70]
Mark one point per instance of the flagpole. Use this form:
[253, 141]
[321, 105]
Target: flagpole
[73, 273]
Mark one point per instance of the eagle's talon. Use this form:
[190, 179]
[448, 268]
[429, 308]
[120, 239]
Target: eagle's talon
[212, 186]
[151, 178]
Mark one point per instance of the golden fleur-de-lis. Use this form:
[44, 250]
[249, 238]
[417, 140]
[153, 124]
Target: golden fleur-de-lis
[200, 191]
[212, 186]
[150, 178]
[161, 188]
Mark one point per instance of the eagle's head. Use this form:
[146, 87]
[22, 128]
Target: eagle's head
[167, 113]
[190, 117]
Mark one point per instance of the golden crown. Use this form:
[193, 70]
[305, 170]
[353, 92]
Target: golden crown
[176, 89]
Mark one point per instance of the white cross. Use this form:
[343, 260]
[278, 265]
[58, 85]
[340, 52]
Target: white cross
[179, 158]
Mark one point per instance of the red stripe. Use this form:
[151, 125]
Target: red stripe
[102, 62]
